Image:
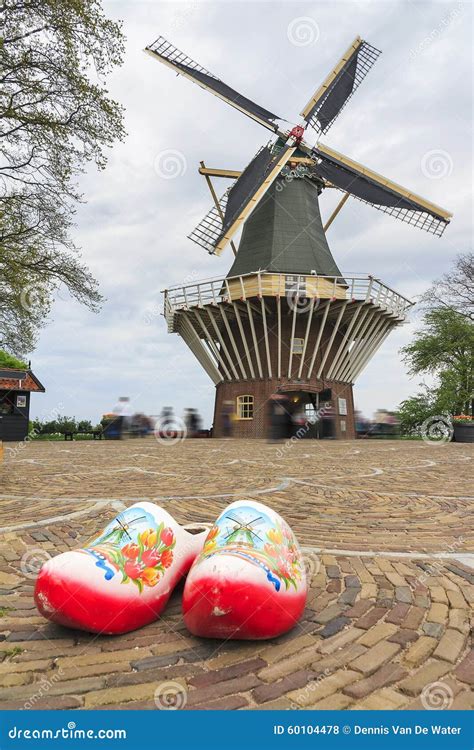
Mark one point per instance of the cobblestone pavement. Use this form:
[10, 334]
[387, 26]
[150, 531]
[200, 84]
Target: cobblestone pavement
[388, 537]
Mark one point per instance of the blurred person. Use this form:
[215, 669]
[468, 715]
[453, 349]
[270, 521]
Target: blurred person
[227, 417]
[166, 417]
[122, 413]
[279, 417]
[192, 420]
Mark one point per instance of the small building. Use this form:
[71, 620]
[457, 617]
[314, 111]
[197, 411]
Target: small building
[15, 388]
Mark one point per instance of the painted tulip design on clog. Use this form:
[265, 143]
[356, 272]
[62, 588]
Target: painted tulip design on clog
[249, 580]
[124, 577]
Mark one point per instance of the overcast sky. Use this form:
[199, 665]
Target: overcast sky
[410, 120]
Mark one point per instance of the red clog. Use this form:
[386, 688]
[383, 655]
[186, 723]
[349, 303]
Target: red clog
[249, 580]
[123, 578]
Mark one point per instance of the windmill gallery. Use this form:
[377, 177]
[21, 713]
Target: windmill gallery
[286, 320]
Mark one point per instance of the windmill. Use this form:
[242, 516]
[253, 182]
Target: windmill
[285, 319]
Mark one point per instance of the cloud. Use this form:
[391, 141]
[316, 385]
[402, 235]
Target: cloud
[133, 228]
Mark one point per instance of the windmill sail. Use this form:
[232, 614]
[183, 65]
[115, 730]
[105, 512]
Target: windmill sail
[164, 51]
[340, 85]
[240, 200]
[378, 191]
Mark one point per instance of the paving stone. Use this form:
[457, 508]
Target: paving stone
[397, 614]
[387, 512]
[438, 594]
[450, 646]
[279, 704]
[414, 618]
[459, 620]
[269, 692]
[334, 626]
[240, 684]
[352, 582]
[430, 672]
[456, 600]
[375, 657]
[419, 651]
[386, 698]
[332, 662]
[211, 677]
[229, 703]
[377, 633]
[340, 640]
[85, 659]
[386, 675]
[434, 629]
[286, 666]
[371, 617]
[38, 665]
[335, 702]
[275, 653]
[349, 596]
[438, 613]
[403, 594]
[359, 608]
[51, 703]
[465, 669]
[122, 694]
[404, 636]
[319, 689]
[329, 613]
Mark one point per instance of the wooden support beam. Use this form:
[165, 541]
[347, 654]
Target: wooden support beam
[212, 345]
[217, 204]
[244, 338]
[306, 336]
[230, 174]
[336, 211]
[254, 338]
[318, 340]
[331, 340]
[222, 342]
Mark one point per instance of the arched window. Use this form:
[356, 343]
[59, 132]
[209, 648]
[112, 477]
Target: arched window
[244, 407]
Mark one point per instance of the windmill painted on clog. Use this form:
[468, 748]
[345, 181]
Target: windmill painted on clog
[285, 319]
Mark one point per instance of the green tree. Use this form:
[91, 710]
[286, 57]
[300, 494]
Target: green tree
[444, 348]
[415, 410]
[55, 118]
[7, 360]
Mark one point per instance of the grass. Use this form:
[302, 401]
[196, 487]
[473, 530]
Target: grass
[15, 651]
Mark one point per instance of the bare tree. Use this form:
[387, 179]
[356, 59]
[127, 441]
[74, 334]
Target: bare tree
[455, 289]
